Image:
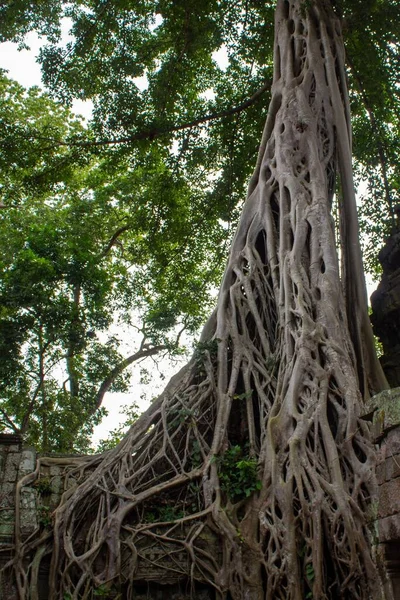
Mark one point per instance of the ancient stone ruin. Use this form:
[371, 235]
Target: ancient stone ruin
[385, 302]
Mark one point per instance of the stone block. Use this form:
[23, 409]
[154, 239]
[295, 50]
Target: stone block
[56, 484]
[28, 460]
[55, 470]
[391, 467]
[6, 530]
[28, 520]
[7, 495]
[384, 408]
[14, 448]
[28, 498]
[389, 498]
[392, 442]
[7, 515]
[11, 468]
[389, 529]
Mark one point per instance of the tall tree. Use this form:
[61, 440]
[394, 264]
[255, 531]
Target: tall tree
[258, 442]
[79, 254]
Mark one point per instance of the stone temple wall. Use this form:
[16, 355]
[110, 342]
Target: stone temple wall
[386, 432]
[15, 463]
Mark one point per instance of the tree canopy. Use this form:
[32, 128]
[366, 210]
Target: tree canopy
[135, 211]
[86, 245]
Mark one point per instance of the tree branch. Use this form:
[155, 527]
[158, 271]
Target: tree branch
[114, 238]
[156, 132]
[144, 352]
[9, 421]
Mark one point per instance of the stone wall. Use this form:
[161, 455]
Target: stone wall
[385, 412]
[385, 302]
[15, 463]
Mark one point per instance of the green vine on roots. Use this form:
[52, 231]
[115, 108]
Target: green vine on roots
[253, 472]
[237, 473]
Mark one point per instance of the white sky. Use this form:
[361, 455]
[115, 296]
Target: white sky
[24, 68]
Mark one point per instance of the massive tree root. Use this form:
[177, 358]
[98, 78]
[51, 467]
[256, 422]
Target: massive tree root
[256, 445]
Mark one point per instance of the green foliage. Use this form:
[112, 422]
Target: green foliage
[204, 350]
[163, 514]
[196, 455]
[43, 486]
[238, 473]
[150, 68]
[131, 414]
[87, 242]
[44, 515]
[310, 577]
[101, 591]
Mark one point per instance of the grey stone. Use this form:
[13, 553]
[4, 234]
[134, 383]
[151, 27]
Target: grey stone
[389, 529]
[6, 530]
[385, 411]
[28, 498]
[27, 464]
[7, 515]
[14, 448]
[390, 469]
[7, 495]
[389, 498]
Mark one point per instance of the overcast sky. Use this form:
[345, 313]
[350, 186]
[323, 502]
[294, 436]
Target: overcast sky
[22, 66]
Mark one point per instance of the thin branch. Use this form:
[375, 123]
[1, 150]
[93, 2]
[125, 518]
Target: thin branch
[9, 421]
[114, 238]
[156, 132]
[144, 352]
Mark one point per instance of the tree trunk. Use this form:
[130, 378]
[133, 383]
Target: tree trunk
[277, 378]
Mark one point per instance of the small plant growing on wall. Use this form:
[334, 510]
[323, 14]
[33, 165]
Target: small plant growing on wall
[43, 486]
[238, 473]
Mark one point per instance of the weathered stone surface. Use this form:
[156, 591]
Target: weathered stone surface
[28, 498]
[6, 530]
[389, 499]
[389, 529]
[385, 302]
[7, 495]
[11, 467]
[27, 464]
[389, 469]
[384, 410]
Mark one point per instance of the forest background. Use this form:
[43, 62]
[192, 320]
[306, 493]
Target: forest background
[125, 222]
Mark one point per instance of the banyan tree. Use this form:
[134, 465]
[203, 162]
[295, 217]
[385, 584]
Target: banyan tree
[257, 444]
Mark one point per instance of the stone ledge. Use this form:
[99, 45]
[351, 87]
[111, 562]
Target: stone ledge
[383, 410]
[389, 529]
[11, 439]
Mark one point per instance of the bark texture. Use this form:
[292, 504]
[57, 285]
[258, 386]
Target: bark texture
[280, 372]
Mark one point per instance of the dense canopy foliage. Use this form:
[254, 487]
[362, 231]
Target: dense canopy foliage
[87, 245]
[134, 212]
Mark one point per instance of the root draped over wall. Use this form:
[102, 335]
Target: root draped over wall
[275, 386]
